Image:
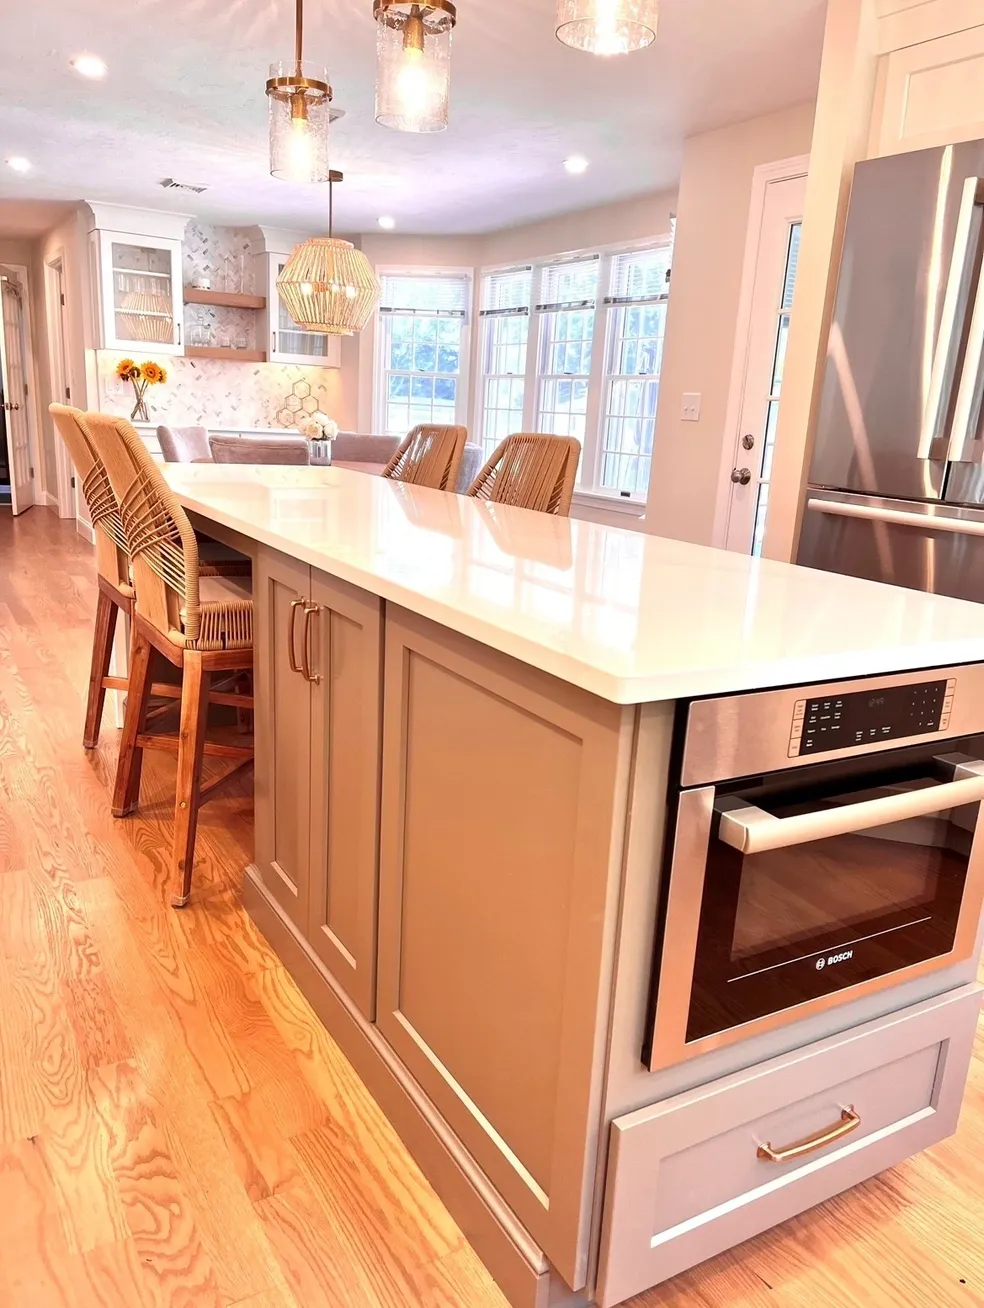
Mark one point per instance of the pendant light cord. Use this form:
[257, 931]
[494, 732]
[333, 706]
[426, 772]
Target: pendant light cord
[331, 205]
[298, 34]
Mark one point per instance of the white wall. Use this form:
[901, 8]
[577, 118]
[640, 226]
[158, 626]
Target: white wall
[712, 224]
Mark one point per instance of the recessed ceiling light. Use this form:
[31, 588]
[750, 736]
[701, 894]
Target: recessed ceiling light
[19, 163]
[576, 164]
[89, 65]
[387, 223]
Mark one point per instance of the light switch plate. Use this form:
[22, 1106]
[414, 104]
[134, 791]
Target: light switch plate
[691, 408]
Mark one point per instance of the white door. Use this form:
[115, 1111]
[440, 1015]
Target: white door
[13, 382]
[772, 300]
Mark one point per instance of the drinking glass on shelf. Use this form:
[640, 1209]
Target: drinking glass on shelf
[225, 339]
[240, 340]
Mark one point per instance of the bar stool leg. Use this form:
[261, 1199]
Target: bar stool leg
[191, 748]
[126, 791]
[102, 650]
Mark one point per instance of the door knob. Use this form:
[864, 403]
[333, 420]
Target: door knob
[741, 476]
[748, 441]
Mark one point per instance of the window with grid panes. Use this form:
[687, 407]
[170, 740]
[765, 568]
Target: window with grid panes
[636, 321]
[505, 320]
[565, 310]
[421, 323]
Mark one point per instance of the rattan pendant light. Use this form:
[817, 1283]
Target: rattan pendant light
[607, 27]
[327, 285]
[300, 112]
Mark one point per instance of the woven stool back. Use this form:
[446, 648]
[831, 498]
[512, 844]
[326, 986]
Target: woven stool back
[163, 547]
[112, 547]
[531, 471]
[429, 456]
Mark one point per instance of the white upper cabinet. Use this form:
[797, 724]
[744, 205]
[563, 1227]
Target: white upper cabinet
[285, 342]
[136, 277]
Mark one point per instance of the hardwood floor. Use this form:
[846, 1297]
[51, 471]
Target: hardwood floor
[177, 1128]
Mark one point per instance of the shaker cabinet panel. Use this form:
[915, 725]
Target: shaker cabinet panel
[283, 732]
[286, 342]
[930, 94]
[501, 821]
[346, 653]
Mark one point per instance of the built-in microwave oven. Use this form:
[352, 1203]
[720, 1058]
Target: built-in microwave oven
[823, 843]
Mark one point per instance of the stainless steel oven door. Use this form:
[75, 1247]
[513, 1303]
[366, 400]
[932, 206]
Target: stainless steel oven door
[813, 895]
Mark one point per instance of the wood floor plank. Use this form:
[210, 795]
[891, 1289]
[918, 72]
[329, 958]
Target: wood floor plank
[36, 1264]
[159, 1215]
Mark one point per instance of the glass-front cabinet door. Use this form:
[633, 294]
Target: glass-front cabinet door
[289, 343]
[141, 292]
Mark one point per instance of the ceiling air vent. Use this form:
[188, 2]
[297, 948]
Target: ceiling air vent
[170, 184]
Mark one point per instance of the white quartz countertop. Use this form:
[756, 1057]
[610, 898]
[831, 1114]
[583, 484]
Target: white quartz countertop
[625, 615]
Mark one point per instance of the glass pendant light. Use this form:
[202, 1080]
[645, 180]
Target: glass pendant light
[607, 27]
[327, 285]
[413, 64]
[300, 105]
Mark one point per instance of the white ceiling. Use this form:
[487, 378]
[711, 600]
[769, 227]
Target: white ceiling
[184, 98]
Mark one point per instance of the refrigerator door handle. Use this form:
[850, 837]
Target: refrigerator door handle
[899, 517]
[967, 410]
[944, 357]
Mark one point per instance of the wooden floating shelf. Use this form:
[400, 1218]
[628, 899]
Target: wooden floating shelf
[223, 299]
[222, 352]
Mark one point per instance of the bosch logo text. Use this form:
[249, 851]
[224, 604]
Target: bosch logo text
[831, 959]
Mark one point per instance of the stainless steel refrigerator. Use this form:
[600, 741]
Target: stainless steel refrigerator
[896, 485]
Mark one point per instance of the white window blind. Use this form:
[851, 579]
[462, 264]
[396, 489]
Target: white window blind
[507, 292]
[569, 285]
[445, 296]
[640, 276]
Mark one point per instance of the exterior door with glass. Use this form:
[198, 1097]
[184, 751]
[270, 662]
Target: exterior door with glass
[13, 383]
[774, 281]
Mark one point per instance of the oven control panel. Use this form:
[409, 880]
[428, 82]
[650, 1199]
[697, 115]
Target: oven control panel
[863, 717]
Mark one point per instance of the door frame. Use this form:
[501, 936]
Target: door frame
[781, 170]
[59, 370]
[33, 405]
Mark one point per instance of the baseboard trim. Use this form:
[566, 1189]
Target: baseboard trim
[85, 531]
[517, 1264]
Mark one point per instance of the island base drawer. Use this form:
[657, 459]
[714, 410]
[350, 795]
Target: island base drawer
[699, 1173]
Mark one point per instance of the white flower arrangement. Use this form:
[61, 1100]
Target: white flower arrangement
[318, 427]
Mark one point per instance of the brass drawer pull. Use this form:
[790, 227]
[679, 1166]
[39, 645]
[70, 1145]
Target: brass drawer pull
[294, 606]
[849, 1121]
[305, 643]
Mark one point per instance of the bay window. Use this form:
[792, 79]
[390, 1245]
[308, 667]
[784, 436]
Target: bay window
[574, 346]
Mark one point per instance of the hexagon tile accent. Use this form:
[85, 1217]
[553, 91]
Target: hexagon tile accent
[300, 400]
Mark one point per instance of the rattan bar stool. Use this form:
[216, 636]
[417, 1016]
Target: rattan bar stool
[115, 592]
[531, 471]
[429, 456]
[203, 625]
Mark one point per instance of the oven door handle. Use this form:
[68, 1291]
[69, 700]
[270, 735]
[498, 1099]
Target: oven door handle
[753, 831]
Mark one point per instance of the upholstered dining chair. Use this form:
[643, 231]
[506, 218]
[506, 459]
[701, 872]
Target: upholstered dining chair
[531, 471]
[429, 456]
[260, 449]
[184, 444]
[203, 625]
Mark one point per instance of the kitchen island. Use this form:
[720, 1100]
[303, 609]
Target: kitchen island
[468, 729]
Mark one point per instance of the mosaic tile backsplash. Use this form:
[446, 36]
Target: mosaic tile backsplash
[216, 392]
[213, 392]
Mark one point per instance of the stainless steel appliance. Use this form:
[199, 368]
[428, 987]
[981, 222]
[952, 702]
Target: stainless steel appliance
[896, 485]
[823, 843]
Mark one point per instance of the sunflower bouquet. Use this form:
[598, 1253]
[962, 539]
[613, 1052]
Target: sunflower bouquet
[140, 375]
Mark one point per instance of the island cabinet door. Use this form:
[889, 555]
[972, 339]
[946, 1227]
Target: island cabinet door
[503, 812]
[346, 662]
[281, 592]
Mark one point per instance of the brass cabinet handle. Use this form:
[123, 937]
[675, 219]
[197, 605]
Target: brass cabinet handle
[305, 643]
[849, 1121]
[294, 606]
